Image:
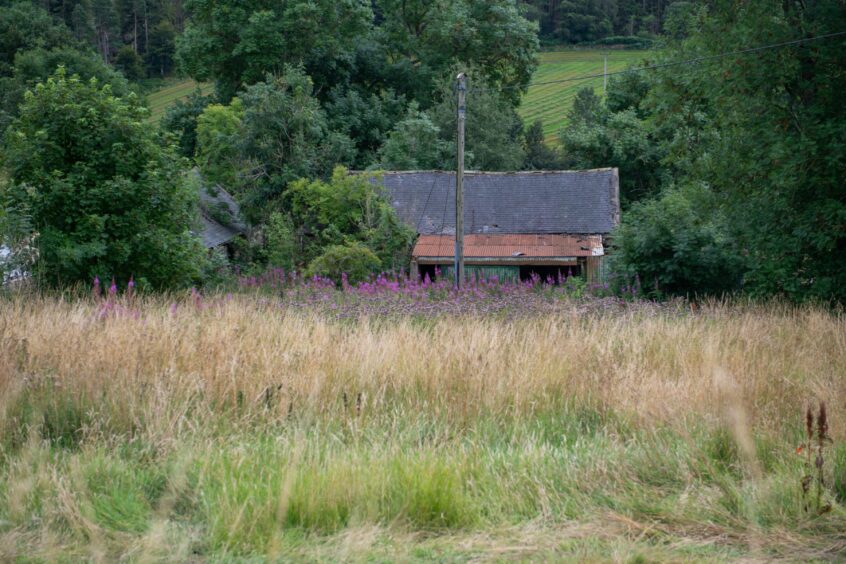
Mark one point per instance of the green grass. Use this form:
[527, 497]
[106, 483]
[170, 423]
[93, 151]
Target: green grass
[551, 102]
[169, 92]
[233, 432]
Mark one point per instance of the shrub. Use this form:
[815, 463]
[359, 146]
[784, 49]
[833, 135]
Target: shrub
[678, 243]
[353, 259]
[106, 194]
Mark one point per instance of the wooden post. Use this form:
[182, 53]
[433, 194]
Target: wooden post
[461, 88]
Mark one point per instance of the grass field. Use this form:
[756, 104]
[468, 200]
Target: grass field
[551, 102]
[172, 90]
[189, 430]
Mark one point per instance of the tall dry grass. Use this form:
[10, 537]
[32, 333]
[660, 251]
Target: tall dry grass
[254, 422]
[658, 368]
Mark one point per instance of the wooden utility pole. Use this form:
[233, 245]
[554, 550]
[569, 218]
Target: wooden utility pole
[461, 87]
[605, 75]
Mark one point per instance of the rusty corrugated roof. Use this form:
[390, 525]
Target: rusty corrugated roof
[510, 246]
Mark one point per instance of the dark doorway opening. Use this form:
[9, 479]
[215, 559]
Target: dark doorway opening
[430, 270]
[549, 274]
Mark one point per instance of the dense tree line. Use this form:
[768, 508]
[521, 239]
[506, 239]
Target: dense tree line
[137, 36]
[583, 21]
[731, 169]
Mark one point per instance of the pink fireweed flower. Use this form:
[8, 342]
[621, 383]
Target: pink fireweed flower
[130, 287]
[113, 288]
[96, 289]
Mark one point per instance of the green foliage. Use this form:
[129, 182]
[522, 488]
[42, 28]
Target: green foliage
[272, 134]
[107, 196]
[32, 46]
[493, 130]
[366, 118]
[181, 120]
[348, 208]
[416, 143]
[129, 63]
[579, 21]
[161, 50]
[219, 133]
[24, 27]
[281, 241]
[677, 244]
[436, 36]
[238, 43]
[762, 134]
[539, 155]
[595, 139]
[353, 259]
[426, 140]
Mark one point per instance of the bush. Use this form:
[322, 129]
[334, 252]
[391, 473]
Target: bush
[106, 194]
[353, 259]
[678, 243]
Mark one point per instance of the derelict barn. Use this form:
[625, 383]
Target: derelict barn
[549, 223]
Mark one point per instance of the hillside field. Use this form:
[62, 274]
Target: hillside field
[169, 93]
[263, 428]
[551, 102]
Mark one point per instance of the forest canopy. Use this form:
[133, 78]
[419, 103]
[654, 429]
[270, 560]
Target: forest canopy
[729, 167]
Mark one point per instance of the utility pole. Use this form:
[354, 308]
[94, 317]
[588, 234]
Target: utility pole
[605, 76]
[461, 88]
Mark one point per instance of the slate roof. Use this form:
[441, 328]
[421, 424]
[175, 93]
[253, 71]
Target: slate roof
[220, 216]
[510, 246]
[572, 202]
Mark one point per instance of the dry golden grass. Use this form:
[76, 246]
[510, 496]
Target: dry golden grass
[360, 415]
[661, 368]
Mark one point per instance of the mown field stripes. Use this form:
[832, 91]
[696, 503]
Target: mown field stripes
[160, 100]
[551, 102]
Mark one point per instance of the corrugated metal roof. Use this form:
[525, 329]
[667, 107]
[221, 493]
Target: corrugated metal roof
[510, 246]
[577, 202]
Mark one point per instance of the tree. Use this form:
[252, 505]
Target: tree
[107, 196]
[36, 65]
[237, 43]
[435, 36]
[283, 136]
[493, 130]
[678, 244]
[348, 208]
[415, 143]
[219, 136]
[539, 155]
[24, 27]
[161, 49]
[181, 120]
[352, 260]
[129, 63]
[366, 118]
[762, 133]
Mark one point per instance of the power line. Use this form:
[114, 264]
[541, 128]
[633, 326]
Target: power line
[674, 63]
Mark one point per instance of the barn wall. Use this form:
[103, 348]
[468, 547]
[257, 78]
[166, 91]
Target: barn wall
[483, 272]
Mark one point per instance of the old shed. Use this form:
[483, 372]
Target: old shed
[517, 224]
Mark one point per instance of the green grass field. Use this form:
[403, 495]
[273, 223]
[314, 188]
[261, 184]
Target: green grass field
[551, 102]
[171, 91]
